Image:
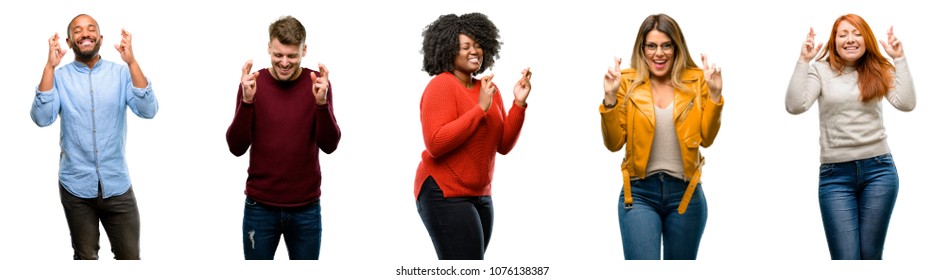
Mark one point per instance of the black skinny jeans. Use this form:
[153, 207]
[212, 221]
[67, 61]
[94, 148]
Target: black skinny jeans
[460, 227]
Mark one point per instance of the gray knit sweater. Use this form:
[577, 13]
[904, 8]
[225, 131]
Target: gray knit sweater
[849, 128]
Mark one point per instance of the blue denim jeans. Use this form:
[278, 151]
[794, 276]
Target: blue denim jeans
[856, 203]
[263, 226]
[460, 227]
[654, 217]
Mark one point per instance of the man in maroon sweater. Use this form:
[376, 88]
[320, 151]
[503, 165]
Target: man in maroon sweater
[285, 113]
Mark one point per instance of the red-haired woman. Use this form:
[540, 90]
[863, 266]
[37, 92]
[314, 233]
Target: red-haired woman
[858, 178]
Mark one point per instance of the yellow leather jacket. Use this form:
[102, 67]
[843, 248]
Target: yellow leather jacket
[633, 122]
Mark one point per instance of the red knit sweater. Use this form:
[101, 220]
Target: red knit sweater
[461, 140]
[285, 128]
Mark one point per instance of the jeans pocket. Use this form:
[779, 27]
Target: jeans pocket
[250, 203]
[884, 160]
[826, 170]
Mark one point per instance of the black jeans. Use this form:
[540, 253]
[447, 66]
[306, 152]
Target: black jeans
[460, 227]
[118, 215]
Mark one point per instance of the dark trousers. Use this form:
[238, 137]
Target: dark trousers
[118, 215]
[460, 227]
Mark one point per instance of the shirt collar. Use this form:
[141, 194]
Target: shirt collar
[83, 68]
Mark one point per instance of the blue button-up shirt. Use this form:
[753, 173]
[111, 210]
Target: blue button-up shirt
[92, 132]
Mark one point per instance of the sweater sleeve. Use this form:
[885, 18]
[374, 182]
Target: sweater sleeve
[240, 134]
[327, 133]
[444, 126]
[512, 126]
[803, 89]
[902, 95]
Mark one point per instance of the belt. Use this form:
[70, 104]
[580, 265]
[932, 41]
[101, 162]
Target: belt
[683, 204]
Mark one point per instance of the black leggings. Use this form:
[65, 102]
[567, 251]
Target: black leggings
[460, 227]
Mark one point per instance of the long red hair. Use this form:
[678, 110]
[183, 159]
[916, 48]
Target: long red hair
[875, 72]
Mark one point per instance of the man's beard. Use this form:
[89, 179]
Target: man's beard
[87, 55]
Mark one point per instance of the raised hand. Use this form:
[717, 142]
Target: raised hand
[713, 77]
[55, 52]
[124, 48]
[320, 85]
[612, 83]
[894, 46]
[55, 56]
[523, 87]
[485, 92]
[249, 82]
[808, 49]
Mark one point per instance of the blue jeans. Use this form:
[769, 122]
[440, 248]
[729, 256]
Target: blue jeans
[654, 216]
[856, 203]
[460, 227]
[263, 225]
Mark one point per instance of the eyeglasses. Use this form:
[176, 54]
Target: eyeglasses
[652, 47]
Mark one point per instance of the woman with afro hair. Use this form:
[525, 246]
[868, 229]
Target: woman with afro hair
[464, 124]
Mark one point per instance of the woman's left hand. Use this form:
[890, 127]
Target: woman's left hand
[894, 46]
[523, 87]
[713, 76]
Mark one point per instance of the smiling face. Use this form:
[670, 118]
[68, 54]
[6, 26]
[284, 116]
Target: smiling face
[286, 60]
[849, 43]
[659, 51]
[84, 37]
[469, 58]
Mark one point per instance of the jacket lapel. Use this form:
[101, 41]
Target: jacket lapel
[644, 102]
[686, 100]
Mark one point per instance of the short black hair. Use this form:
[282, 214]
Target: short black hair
[288, 30]
[441, 41]
[69, 28]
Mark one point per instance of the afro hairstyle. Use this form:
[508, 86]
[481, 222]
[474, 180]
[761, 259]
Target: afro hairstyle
[441, 41]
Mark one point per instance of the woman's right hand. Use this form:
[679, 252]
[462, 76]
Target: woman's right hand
[809, 49]
[485, 92]
[612, 83]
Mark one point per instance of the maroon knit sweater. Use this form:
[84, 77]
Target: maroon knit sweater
[285, 128]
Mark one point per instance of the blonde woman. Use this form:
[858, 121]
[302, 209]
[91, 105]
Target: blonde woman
[663, 108]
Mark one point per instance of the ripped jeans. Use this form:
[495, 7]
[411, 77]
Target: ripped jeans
[263, 225]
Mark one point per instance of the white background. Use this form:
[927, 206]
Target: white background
[555, 194]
